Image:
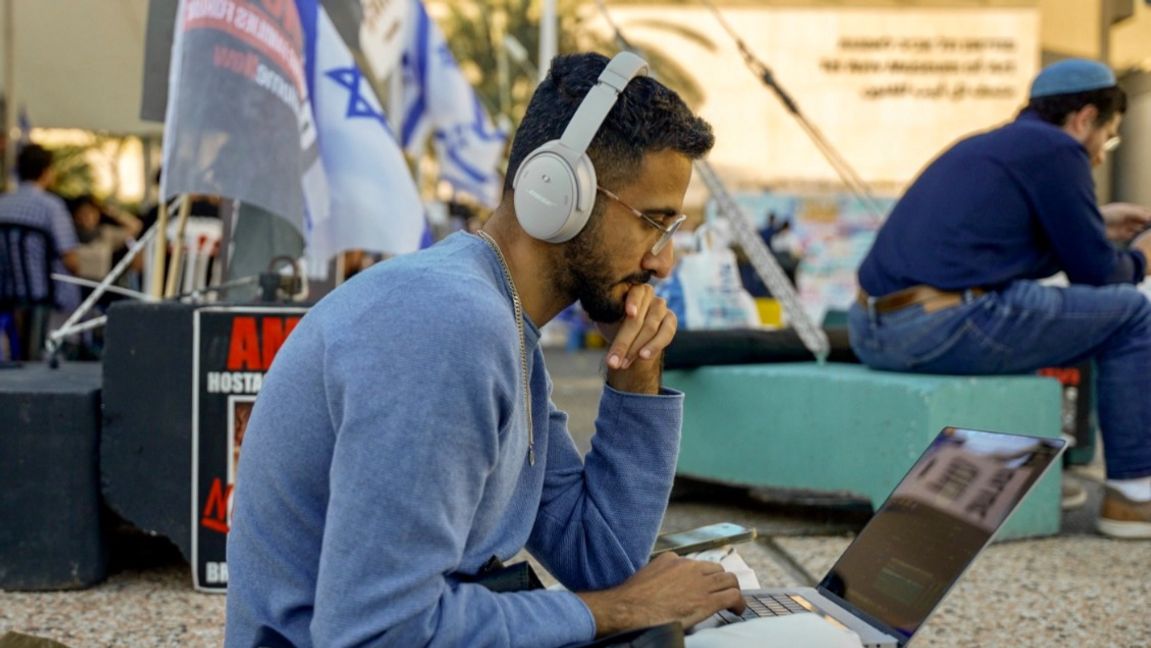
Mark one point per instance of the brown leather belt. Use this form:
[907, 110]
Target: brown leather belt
[931, 299]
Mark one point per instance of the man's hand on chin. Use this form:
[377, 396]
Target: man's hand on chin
[636, 343]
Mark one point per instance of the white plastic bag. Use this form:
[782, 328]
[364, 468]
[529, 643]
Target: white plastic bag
[705, 289]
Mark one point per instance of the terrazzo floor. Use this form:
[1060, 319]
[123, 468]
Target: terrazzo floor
[1076, 589]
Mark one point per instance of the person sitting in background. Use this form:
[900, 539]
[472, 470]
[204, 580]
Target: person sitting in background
[951, 284]
[31, 205]
[104, 235]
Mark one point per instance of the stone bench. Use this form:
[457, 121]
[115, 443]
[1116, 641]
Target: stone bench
[846, 428]
[51, 531]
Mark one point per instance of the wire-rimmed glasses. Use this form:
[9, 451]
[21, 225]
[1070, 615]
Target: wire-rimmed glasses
[666, 231]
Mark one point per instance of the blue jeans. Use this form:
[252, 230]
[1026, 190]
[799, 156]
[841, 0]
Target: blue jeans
[1026, 327]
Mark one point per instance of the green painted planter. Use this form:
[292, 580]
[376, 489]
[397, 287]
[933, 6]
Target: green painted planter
[843, 427]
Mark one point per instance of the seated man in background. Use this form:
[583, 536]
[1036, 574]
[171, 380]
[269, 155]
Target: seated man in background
[31, 205]
[951, 283]
[404, 442]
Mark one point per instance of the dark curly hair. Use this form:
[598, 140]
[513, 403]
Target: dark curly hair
[648, 117]
[1055, 108]
[32, 161]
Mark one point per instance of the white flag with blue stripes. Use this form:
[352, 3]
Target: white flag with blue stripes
[441, 104]
[372, 201]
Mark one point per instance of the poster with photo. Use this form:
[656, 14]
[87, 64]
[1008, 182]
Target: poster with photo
[830, 233]
[233, 347]
[239, 410]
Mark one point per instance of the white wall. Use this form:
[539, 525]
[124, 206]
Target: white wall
[889, 87]
[1133, 158]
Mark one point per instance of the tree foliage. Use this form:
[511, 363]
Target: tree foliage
[476, 34]
[74, 175]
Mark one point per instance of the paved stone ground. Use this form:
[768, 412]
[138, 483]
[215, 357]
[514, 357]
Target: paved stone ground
[1077, 589]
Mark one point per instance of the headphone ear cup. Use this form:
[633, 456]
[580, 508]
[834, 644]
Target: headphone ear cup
[554, 192]
[555, 186]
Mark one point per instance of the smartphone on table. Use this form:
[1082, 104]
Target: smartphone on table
[699, 539]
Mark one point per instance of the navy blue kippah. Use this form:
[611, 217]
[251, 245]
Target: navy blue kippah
[1072, 75]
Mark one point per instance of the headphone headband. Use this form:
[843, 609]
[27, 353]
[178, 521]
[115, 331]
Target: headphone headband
[593, 110]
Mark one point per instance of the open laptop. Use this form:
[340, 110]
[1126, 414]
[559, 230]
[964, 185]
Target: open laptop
[914, 549]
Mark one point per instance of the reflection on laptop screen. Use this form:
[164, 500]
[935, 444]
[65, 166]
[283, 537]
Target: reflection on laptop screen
[937, 519]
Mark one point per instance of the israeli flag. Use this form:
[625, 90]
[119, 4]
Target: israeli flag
[372, 202]
[440, 103]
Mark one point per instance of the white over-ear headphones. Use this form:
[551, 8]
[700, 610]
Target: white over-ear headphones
[555, 186]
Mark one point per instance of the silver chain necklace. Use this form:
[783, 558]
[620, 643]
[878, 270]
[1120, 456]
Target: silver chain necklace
[518, 308]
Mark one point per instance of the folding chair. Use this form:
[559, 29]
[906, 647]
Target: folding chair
[26, 253]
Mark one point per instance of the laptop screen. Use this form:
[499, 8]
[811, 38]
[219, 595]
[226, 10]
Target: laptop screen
[939, 517]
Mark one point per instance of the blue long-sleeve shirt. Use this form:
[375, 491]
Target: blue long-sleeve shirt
[387, 454]
[1017, 202]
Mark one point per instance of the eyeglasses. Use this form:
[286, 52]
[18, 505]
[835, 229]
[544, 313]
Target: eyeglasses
[1111, 144]
[666, 231]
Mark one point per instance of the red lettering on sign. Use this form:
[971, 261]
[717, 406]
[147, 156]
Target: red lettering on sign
[273, 337]
[244, 346]
[275, 331]
[215, 516]
[252, 350]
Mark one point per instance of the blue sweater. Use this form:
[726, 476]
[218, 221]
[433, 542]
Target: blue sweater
[1014, 203]
[387, 454]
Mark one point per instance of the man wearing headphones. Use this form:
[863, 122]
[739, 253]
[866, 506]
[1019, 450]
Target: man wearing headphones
[404, 443]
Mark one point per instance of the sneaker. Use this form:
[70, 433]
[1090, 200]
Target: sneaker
[1124, 518]
[1074, 495]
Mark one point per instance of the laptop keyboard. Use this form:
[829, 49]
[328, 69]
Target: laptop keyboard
[764, 605]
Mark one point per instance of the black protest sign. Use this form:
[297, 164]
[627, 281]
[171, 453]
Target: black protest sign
[233, 348]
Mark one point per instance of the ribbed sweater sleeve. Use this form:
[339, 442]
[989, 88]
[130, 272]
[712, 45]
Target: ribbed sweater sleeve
[599, 518]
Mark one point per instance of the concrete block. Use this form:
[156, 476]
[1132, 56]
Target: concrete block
[51, 536]
[146, 455]
[846, 428]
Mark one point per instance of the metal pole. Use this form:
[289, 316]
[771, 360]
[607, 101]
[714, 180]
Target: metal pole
[500, 24]
[396, 99]
[54, 338]
[117, 290]
[547, 37]
[95, 322]
[9, 90]
[174, 273]
[1110, 12]
[149, 168]
[159, 249]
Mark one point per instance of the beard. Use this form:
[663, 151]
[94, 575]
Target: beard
[589, 280]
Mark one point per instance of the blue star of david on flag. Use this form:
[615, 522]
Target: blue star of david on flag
[358, 106]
